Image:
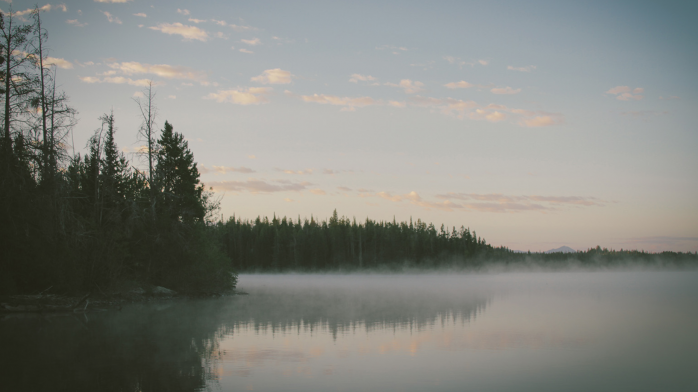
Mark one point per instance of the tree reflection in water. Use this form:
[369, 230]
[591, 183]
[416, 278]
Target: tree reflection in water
[174, 346]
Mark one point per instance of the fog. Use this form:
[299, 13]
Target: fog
[487, 331]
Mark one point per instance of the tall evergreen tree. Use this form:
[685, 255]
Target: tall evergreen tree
[180, 193]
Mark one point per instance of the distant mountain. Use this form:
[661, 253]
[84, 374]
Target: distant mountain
[562, 249]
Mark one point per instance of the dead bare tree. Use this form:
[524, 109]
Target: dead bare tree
[147, 131]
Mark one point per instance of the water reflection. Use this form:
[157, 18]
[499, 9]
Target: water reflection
[176, 346]
[525, 332]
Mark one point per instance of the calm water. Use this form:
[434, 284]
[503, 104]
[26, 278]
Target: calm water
[581, 331]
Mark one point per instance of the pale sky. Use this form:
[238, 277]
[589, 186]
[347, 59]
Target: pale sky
[537, 124]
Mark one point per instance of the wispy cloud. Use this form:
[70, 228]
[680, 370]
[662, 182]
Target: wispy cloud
[644, 113]
[492, 112]
[162, 70]
[252, 42]
[118, 80]
[460, 63]
[392, 48]
[242, 96]
[243, 50]
[349, 104]
[273, 76]
[505, 90]
[58, 62]
[494, 202]
[624, 93]
[299, 172]
[75, 23]
[183, 12]
[527, 68]
[461, 84]
[187, 32]
[111, 18]
[355, 78]
[412, 198]
[318, 192]
[225, 169]
[112, 1]
[45, 8]
[259, 186]
[141, 15]
[410, 87]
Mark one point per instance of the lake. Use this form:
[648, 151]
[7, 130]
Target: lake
[525, 331]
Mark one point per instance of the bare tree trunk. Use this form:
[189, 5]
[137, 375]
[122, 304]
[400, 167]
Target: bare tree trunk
[149, 112]
[8, 77]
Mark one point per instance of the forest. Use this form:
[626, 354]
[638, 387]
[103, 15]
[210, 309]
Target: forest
[90, 222]
[93, 222]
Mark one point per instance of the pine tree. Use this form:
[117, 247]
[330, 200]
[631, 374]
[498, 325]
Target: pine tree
[180, 194]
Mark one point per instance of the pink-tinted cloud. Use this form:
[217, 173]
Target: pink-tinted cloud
[259, 186]
[624, 93]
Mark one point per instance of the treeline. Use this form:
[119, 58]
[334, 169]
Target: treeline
[93, 222]
[341, 244]
[282, 244]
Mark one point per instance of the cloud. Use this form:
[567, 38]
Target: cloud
[187, 32]
[483, 62]
[539, 121]
[252, 42]
[318, 192]
[492, 112]
[259, 186]
[527, 68]
[242, 28]
[495, 116]
[301, 172]
[354, 78]
[343, 188]
[495, 202]
[506, 90]
[461, 84]
[392, 48]
[45, 8]
[60, 63]
[225, 169]
[219, 22]
[111, 18]
[183, 12]
[172, 96]
[397, 104]
[349, 103]
[409, 86]
[644, 113]
[118, 80]
[112, 1]
[243, 50]
[162, 70]
[75, 22]
[623, 93]
[413, 198]
[273, 76]
[197, 20]
[140, 14]
[242, 96]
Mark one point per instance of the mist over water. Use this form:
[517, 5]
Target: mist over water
[518, 331]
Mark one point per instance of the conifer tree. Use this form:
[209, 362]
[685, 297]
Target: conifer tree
[180, 193]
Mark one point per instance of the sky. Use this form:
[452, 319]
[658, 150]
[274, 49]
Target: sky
[537, 124]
